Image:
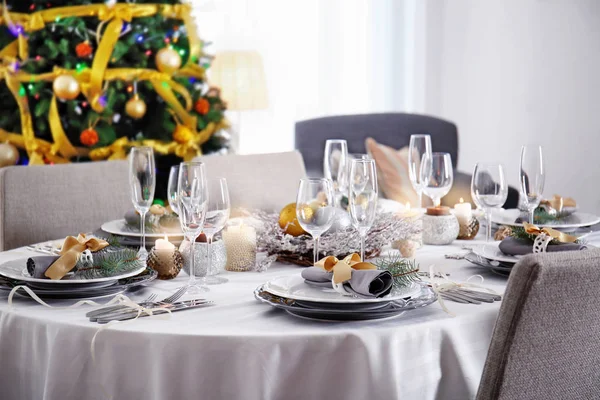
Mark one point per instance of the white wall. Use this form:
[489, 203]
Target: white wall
[512, 72]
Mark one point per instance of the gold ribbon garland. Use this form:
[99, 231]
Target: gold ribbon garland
[342, 270]
[553, 233]
[92, 80]
[558, 202]
[70, 252]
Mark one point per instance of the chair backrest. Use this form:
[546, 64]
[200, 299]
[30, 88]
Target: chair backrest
[546, 342]
[391, 129]
[40, 203]
[258, 181]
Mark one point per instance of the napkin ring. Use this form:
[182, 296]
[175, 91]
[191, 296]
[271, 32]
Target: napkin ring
[540, 244]
[339, 287]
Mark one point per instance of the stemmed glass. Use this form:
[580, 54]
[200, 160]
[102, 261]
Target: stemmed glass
[217, 214]
[142, 180]
[362, 198]
[172, 188]
[193, 198]
[335, 166]
[532, 177]
[437, 176]
[489, 190]
[315, 208]
[419, 149]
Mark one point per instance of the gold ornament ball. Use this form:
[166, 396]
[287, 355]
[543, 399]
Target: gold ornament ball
[288, 221]
[182, 134]
[9, 155]
[167, 60]
[135, 107]
[66, 87]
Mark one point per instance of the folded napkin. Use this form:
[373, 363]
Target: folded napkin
[364, 283]
[37, 266]
[519, 247]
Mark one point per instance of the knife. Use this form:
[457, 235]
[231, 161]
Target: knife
[162, 309]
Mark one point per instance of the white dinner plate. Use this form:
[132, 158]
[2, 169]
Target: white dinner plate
[575, 220]
[293, 287]
[491, 251]
[119, 227]
[17, 269]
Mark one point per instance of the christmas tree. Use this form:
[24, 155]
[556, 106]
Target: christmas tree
[88, 79]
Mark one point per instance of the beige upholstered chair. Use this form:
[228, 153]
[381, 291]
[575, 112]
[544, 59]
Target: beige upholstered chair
[546, 343]
[258, 181]
[41, 203]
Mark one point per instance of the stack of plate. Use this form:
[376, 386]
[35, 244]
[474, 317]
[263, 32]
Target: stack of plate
[131, 237]
[14, 273]
[569, 223]
[297, 298]
[489, 256]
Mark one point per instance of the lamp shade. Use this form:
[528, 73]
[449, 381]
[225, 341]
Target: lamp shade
[241, 77]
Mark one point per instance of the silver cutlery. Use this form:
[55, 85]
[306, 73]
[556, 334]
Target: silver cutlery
[468, 296]
[108, 309]
[162, 309]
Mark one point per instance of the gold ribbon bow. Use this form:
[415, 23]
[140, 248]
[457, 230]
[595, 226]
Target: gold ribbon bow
[342, 270]
[557, 235]
[558, 203]
[71, 250]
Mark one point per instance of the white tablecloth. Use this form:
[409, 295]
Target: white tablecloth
[243, 349]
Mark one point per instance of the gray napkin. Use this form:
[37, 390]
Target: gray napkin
[365, 283]
[37, 266]
[519, 247]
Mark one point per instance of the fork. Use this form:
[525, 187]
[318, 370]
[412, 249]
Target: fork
[108, 309]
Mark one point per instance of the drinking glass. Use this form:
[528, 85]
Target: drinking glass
[217, 214]
[315, 208]
[419, 149]
[437, 176]
[335, 166]
[172, 188]
[489, 190]
[532, 177]
[142, 180]
[362, 198]
[193, 198]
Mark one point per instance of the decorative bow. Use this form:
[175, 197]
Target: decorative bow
[553, 233]
[70, 253]
[342, 270]
[558, 203]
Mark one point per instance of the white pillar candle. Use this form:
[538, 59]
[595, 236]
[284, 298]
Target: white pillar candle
[164, 244]
[463, 212]
[240, 243]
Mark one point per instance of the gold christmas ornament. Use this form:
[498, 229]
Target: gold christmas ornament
[167, 60]
[468, 231]
[66, 87]
[168, 264]
[182, 134]
[9, 155]
[288, 221]
[157, 209]
[135, 107]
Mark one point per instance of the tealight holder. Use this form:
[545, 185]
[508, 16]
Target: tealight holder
[218, 258]
[167, 263]
[469, 230]
[440, 227]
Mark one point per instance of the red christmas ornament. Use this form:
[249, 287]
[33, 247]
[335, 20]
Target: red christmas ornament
[89, 137]
[202, 106]
[83, 49]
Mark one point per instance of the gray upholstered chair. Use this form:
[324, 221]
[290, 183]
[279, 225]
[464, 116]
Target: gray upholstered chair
[391, 129]
[40, 203]
[546, 342]
[258, 181]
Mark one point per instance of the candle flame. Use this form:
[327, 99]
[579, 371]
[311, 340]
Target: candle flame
[166, 238]
[461, 200]
[408, 205]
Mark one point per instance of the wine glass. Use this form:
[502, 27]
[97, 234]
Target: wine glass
[437, 176]
[142, 180]
[217, 214]
[172, 188]
[489, 190]
[362, 198]
[335, 167]
[315, 208]
[419, 149]
[193, 198]
[532, 177]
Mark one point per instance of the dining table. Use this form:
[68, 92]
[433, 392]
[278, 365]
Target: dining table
[240, 348]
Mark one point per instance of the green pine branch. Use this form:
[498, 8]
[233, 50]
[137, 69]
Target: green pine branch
[404, 271]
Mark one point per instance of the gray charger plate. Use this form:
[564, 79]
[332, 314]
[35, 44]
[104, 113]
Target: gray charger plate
[393, 308]
[496, 266]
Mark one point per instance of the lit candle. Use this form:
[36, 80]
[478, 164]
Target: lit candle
[409, 212]
[463, 212]
[240, 243]
[164, 244]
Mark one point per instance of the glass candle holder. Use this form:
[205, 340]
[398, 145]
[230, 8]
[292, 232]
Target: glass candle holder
[219, 258]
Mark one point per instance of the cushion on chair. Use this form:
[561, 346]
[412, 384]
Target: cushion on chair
[546, 340]
[392, 172]
[258, 181]
[40, 203]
